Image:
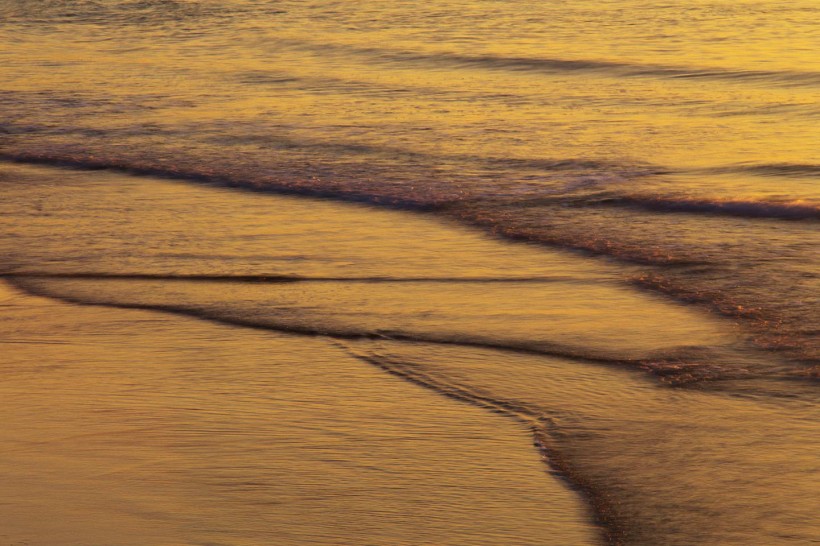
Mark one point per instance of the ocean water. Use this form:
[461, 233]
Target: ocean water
[460, 272]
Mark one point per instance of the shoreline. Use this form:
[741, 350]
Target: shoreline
[146, 443]
[167, 254]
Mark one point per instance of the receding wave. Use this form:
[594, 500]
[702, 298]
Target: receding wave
[674, 367]
[489, 162]
[548, 219]
[748, 208]
[273, 278]
[795, 210]
[550, 65]
[591, 170]
[540, 424]
[279, 185]
[795, 170]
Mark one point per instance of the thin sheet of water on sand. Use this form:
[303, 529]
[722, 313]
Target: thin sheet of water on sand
[132, 427]
[658, 465]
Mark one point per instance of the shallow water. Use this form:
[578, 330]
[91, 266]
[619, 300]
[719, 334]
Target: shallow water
[597, 219]
[138, 428]
[656, 134]
[556, 343]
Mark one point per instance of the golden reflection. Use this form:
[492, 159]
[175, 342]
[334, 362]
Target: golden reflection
[201, 362]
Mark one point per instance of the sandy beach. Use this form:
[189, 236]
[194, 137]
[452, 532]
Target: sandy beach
[453, 273]
[388, 407]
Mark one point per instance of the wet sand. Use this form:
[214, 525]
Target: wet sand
[311, 372]
[130, 427]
